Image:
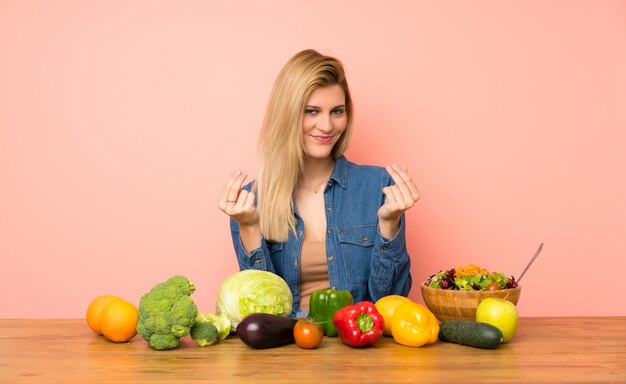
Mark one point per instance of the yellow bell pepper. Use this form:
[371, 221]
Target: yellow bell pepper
[414, 325]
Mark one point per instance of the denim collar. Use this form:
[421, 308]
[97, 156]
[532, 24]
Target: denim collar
[340, 173]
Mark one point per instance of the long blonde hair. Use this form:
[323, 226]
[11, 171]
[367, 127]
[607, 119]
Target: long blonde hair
[281, 149]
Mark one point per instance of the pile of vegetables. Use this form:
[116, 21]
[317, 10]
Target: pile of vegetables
[470, 277]
[167, 312]
[257, 305]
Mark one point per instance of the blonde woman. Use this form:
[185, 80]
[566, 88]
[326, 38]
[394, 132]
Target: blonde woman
[313, 217]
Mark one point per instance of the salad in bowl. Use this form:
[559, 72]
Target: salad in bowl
[471, 278]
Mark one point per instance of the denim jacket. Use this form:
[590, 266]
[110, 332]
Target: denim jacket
[359, 258]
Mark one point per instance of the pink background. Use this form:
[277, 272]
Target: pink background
[121, 120]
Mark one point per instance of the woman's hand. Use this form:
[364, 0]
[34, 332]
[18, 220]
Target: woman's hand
[398, 198]
[238, 203]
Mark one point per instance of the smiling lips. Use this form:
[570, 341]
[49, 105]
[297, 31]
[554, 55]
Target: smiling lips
[324, 139]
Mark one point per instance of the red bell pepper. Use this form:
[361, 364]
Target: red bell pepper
[359, 325]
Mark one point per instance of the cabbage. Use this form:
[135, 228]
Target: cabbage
[253, 291]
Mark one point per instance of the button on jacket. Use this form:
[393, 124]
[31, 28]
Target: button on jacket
[359, 258]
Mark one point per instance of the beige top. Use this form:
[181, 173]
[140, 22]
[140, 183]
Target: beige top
[313, 270]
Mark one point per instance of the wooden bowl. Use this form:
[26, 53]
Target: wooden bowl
[447, 304]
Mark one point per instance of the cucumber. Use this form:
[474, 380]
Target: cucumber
[470, 333]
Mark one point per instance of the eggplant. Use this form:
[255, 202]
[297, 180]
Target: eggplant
[262, 330]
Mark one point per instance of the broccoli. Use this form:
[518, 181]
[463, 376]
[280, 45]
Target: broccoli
[204, 333]
[167, 313]
[221, 322]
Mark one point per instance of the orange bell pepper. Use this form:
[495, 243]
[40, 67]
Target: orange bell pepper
[414, 325]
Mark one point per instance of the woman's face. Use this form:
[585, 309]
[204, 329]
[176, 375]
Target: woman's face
[324, 120]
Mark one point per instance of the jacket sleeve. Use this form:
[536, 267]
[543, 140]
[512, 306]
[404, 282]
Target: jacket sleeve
[258, 258]
[390, 269]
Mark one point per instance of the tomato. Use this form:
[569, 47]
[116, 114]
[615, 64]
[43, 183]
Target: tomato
[308, 333]
[493, 287]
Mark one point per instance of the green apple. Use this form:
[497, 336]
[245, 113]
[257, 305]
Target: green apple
[500, 313]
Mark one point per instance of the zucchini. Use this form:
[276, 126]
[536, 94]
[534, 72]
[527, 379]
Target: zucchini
[470, 333]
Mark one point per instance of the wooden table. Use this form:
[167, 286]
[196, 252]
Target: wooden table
[584, 349]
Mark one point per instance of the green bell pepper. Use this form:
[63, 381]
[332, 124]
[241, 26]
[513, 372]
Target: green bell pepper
[323, 305]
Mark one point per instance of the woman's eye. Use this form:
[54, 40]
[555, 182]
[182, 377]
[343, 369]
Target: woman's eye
[310, 112]
[338, 111]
